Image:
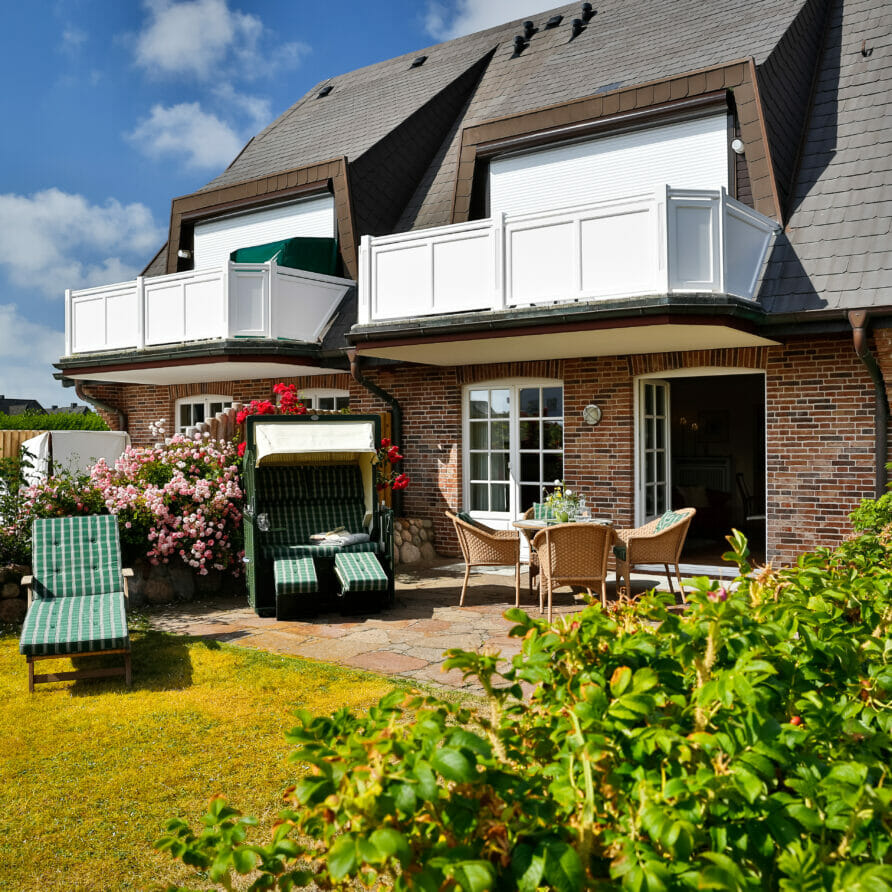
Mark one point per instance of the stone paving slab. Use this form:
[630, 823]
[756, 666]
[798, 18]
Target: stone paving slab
[406, 640]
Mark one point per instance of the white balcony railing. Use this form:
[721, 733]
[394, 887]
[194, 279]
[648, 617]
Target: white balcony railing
[237, 300]
[674, 241]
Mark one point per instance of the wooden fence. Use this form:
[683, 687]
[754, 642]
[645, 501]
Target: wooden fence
[11, 441]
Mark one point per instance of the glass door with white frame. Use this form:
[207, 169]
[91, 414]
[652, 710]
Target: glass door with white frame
[514, 440]
[654, 477]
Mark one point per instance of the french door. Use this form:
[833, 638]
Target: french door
[654, 459]
[513, 447]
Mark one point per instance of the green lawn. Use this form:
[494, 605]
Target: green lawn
[91, 771]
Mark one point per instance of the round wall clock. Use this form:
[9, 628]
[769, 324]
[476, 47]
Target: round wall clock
[591, 414]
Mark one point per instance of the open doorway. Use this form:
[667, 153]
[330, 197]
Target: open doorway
[702, 445]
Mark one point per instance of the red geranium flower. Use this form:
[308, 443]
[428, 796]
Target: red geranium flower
[401, 481]
[241, 449]
[385, 442]
[393, 454]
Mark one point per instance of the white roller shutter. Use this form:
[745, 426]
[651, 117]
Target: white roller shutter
[215, 240]
[687, 155]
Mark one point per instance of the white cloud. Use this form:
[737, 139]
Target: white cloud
[27, 352]
[255, 109]
[447, 20]
[53, 240]
[200, 37]
[73, 38]
[186, 130]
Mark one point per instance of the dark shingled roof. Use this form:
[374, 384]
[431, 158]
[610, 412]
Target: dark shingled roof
[400, 127]
[836, 252]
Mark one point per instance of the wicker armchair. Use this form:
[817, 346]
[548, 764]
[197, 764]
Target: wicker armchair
[533, 562]
[573, 554]
[482, 546]
[657, 542]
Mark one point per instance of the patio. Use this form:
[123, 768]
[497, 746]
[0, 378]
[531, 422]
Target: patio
[407, 640]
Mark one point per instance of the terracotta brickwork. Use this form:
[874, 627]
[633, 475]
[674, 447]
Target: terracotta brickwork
[820, 443]
[819, 428]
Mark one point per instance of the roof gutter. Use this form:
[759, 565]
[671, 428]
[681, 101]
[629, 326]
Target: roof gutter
[859, 319]
[82, 392]
[396, 409]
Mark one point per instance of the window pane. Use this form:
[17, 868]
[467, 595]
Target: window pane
[325, 403]
[529, 402]
[216, 408]
[479, 466]
[529, 467]
[479, 403]
[529, 434]
[500, 401]
[500, 434]
[198, 412]
[552, 467]
[499, 465]
[648, 399]
[185, 415]
[528, 495]
[661, 394]
[553, 400]
[479, 435]
[342, 402]
[553, 435]
[479, 500]
[649, 502]
[499, 494]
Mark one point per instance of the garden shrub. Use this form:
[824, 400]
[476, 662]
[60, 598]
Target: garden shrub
[175, 501]
[60, 421]
[742, 744]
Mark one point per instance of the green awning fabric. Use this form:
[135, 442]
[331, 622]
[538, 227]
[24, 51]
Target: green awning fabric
[316, 255]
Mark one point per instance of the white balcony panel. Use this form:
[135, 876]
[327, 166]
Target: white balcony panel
[689, 154]
[693, 248]
[403, 280]
[745, 249]
[215, 240]
[236, 300]
[249, 301]
[662, 242]
[460, 265]
[619, 254]
[541, 263]
[303, 303]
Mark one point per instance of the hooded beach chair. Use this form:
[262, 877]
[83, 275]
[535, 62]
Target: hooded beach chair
[77, 596]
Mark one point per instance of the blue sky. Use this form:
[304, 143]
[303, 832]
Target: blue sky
[113, 107]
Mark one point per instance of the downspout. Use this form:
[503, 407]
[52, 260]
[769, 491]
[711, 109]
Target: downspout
[81, 391]
[858, 319]
[397, 415]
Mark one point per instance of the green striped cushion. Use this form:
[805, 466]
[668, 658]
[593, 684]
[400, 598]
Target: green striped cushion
[668, 519]
[280, 552]
[294, 524]
[335, 482]
[360, 573]
[76, 556]
[295, 577]
[281, 486]
[542, 511]
[75, 625]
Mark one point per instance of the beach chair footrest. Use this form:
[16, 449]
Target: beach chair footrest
[295, 576]
[360, 572]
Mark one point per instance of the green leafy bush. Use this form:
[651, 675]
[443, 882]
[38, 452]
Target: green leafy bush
[743, 745]
[63, 421]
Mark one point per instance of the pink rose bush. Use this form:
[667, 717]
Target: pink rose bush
[179, 501]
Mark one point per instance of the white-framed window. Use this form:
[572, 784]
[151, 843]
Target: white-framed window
[513, 445]
[192, 410]
[325, 399]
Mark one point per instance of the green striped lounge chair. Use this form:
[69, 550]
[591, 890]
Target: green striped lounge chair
[77, 596]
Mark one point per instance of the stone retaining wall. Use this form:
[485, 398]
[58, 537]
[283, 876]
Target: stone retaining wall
[413, 540]
[13, 596]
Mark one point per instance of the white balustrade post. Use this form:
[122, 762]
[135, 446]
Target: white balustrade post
[270, 297]
[364, 296]
[720, 207]
[664, 222]
[499, 261]
[140, 312]
[69, 334]
[226, 276]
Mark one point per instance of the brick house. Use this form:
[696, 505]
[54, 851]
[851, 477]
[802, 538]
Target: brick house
[643, 248]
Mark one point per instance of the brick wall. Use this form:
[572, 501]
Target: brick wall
[819, 428]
